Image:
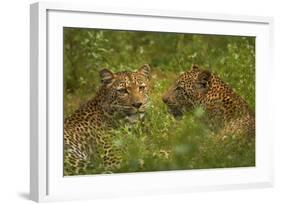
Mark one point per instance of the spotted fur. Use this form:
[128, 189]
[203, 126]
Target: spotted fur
[88, 142]
[227, 113]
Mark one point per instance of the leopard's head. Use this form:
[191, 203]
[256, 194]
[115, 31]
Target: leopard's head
[126, 93]
[187, 91]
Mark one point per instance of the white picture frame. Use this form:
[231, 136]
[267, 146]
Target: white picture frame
[46, 179]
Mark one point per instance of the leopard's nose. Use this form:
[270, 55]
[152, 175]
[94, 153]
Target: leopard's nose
[164, 99]
[137, 104]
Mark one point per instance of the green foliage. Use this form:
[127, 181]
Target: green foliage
[160, 142]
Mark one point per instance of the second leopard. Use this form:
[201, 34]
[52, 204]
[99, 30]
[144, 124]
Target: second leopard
[227, 114]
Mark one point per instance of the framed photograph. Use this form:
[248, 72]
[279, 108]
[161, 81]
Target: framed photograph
[127, 102]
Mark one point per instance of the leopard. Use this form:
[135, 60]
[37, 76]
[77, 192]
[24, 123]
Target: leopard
[226, 113]
[122, 97]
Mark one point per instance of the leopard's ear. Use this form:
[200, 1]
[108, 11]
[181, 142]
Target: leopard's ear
[194, 67]
[106, 76]
[145, 70]
[203, 80]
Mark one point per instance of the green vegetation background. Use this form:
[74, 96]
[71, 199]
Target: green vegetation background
[160, 142]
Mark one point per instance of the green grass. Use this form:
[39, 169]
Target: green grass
[160, 142]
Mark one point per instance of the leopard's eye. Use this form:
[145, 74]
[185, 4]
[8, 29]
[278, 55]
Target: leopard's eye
[178, 88]
[122, 90]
